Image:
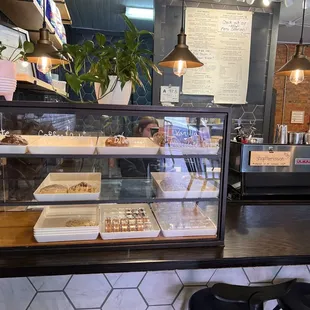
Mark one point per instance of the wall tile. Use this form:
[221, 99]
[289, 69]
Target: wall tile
[181, 303]
[125, 280]
[195, 277]
[50, 301]
[293, 272]
[15, 293]
[229, 275]
[261, 274]
[160, 308]
[50, 283]
[160, 288]
[88, 291]
[124, 299]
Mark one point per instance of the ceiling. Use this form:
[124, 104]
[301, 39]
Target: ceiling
[105, 15]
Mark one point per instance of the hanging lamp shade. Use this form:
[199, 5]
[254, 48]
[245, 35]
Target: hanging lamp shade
[181, 52]
[298, 62]
[45, 48]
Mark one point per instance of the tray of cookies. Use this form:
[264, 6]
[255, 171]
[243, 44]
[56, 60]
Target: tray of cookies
[67, 223]
[16, 144]
[63, 145]
[124, 221]
[69, 187]
[126, 146]
[179, 219]
[184, 185]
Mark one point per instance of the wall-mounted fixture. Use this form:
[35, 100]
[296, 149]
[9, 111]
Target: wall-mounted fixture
[299, 65]
[181, 58]
[45, 55]
[139, 13]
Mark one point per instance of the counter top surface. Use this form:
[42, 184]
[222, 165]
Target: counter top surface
[255, 235]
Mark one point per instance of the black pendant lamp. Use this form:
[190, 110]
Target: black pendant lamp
[45, 54]
[299, 65]
[181, 58]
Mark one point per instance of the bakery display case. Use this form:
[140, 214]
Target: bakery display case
[112, 176]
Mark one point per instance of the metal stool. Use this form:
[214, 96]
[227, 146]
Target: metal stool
[290, 296]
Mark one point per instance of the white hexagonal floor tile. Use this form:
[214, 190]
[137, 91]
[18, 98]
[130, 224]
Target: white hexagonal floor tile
[160, 308]
[160, 287]
[261, 274]
[124, 299]
[181, 303]
[125, 280]
[15, 293]
[229, 275]
[50, 301]
[301, 273]
[50, 283]
[88, 291]
[195, 277]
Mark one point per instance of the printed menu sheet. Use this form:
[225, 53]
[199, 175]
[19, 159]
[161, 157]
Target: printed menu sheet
[221, 39]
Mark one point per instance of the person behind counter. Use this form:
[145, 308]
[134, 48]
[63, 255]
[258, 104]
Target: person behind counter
[140, 167]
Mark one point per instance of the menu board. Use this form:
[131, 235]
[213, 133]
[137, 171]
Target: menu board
[220, 39]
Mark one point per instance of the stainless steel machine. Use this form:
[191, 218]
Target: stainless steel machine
[269, 171]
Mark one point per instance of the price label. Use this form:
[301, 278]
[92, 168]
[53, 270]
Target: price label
[169, 93]
[268, 159]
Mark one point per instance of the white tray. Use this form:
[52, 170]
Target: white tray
[163, 214]
[211, 192]
[69, 179]
[68, 237]
[105, 209]
[17, 149]
[62, 145]
[189, 150]
[137, 146]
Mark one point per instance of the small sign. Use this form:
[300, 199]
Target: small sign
[169, 93]
[302, 161]
[270, 159]
[298, 117]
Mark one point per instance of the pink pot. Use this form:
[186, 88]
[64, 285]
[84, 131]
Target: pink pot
[7, 79]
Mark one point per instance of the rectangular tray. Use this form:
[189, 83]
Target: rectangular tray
[137, 146]
[67, 237]
[69, 179]
[157, 177]
[168, 215]
[17, 149]
[107, 209]
[62, 145]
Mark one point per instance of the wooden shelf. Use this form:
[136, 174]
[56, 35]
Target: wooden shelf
[64, 12]
[34, 83]
[29, 15]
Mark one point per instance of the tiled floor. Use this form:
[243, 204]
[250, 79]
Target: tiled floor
[160, 290]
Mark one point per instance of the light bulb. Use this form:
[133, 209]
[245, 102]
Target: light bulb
[266, 2]
[44, 64]
[297, 76]
[179, 68]
[24, 64]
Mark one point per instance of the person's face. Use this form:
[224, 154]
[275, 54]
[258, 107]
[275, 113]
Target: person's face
[147, 130]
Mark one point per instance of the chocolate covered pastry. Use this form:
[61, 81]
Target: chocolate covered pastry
[119, 140]
[14, 140]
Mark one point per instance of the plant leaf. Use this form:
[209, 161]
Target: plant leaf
[142, 32]
[20, 43]
[101, 39]
[28, 47]
[74, 82]
[129, 24]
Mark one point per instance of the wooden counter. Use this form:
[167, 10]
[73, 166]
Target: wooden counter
[255, 236]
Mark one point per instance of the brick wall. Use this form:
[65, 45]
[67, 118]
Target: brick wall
[297, 96]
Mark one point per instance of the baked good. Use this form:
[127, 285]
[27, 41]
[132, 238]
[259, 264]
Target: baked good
[80, 222]
[174, 184]
[54, 189]
[82, 187]
[159, 138]
[118, 140]
[15, 140]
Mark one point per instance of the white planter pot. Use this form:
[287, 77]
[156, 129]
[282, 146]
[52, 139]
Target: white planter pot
[117, 96]
[7, 79]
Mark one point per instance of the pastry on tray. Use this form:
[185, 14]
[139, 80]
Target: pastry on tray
[82, 187]
[54, 189]
[118, 140]
[14, 140]
[80, 222]
[159, 138]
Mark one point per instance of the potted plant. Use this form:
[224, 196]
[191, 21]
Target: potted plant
[7, 67]
[113, 69]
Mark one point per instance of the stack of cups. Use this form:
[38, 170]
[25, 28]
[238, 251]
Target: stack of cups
[7, 79]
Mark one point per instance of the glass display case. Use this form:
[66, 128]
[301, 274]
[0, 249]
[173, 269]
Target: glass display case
[136, 176]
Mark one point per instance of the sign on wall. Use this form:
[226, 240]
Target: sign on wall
[221, 39]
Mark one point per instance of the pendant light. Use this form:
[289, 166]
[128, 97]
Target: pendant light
[45, 54]
[299, 65]
[181, 58]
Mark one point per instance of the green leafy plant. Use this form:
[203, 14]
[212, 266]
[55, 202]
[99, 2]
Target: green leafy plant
[93, 62]
[24, 49]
